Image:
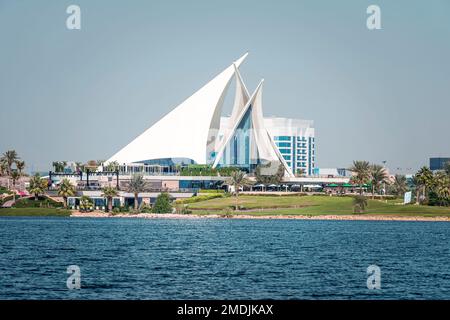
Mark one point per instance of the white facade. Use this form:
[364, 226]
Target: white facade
[196, 132]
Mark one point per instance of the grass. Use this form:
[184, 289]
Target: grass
[34, 212]
[42, 202]
[313, 205]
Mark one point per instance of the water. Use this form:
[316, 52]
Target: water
[222, 259]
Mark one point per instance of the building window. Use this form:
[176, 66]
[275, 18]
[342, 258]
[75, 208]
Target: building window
[286, 157]
[284, 144]
[283, 138]
[284, 151]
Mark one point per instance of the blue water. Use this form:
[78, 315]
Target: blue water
[222, 259]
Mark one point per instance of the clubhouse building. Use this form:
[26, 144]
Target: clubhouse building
[244, 139]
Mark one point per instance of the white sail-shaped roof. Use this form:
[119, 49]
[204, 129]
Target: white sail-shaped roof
[188, 131]
[267, 150]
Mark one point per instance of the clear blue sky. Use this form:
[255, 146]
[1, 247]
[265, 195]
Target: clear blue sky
[84, 94]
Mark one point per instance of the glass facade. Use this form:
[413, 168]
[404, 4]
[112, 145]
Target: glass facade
[238, 151]
[438, 163]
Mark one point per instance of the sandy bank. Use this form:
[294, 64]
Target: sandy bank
[362, 217]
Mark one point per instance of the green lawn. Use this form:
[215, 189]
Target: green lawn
[32, 212]
[312, 205]
[42, 202]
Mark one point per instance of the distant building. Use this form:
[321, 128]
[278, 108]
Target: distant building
[438, 163]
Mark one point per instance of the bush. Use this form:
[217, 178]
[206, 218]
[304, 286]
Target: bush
[162, 204]
[182, 209]
[4, 190]
[226, 213]
[145, 208]
[221, 191]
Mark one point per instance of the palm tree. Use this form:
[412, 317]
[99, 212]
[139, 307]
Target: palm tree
[361, 173]
[58, 166]
[238, 179]
[20, 166]
[442, 187]
[15, 175]
[112, 166]
[3, 167]
[10, 157]
[400, 186]
[424, 179]
[359, 204]
[66, 189]
[136, 186]
[110, 193]
[447, 168]
[378, 175]
[37, 186]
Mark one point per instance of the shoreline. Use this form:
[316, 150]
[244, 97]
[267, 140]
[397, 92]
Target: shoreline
[359, 217]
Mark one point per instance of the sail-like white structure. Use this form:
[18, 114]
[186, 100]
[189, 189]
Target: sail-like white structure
[191, 130]
[265, 148]
[187, 130]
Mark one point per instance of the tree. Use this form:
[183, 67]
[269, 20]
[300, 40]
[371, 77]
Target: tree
[442, 187]
[66, 189]
[20, 165]
[399, 185]
[86, 203]
[3, 167]
[162, 203]
[378, 175]
[79, 166]
[263, 177]
[361, 173]
[112, 166]
[58, 166]
[424, 180]
[447, 168]
[15, 175]
[37, 186]
[136, 186]
[238, 179]
[359, 204]
[10, 157]
[110, 193]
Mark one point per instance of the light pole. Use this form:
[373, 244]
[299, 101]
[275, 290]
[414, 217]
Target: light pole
[384, 182]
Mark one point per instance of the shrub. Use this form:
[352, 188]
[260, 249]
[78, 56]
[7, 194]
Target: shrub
[162, 204]
[145, 208]
[182, 209]
[226, 213]
[86, 204]
[214, 191]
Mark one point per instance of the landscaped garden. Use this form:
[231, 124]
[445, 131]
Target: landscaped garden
[311, 205]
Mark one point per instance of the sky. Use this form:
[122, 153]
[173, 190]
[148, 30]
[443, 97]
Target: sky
[376, 95]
